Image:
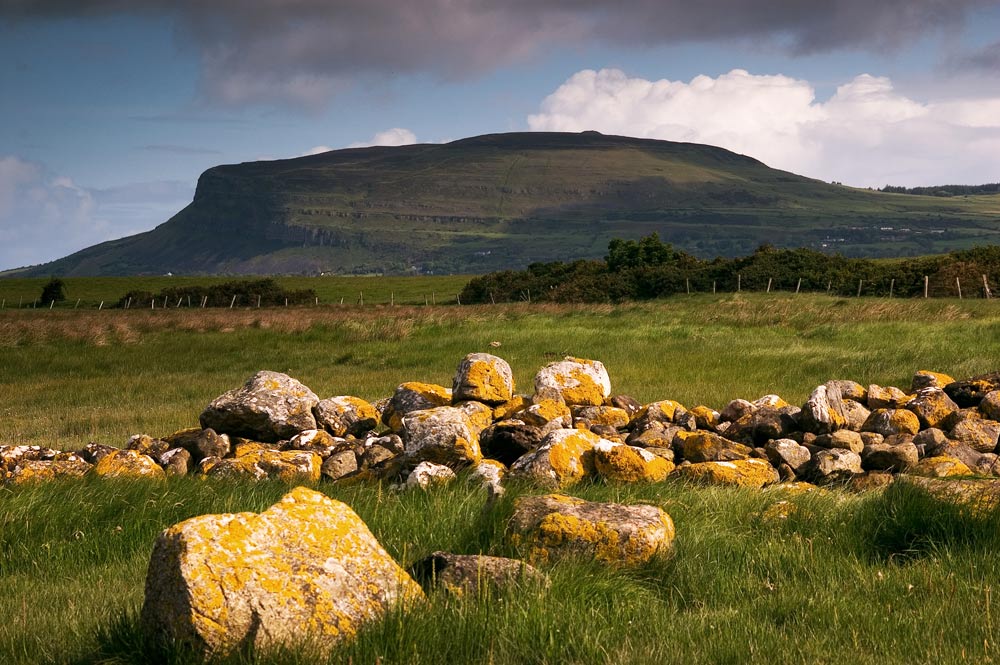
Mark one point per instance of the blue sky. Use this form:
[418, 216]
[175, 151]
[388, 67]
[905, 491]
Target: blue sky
[111, 110]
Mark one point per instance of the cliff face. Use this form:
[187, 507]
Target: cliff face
[504, 201]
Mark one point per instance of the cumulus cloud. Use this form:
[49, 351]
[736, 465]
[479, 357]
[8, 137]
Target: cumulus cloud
[390, 137]
[44, 216]
[866, 134]
[304, 50]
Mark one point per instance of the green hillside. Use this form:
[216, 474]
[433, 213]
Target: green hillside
[507, 200]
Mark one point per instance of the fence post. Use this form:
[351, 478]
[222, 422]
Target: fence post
[392, 298]
[258, 302]
[361, 298]
[232, 302]
[739, 282]
[860, 282]
[799, 285]
[687, 285]
[101, 306]
[829, 286]
[713, 287]
[892, 285]
[768, 284]
[986, 288]
[926, 284]
[959, 285]
[77, 303]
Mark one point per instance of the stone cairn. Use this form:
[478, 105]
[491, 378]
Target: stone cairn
[288, 575]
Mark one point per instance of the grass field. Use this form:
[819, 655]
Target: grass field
[894, 578]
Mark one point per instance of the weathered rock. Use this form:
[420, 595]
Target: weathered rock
[927, 379]
[987, 465]
[855, 414]
[834, 465]
[552, 526]
[888, 397]
[626, 403]
[609, 416]
[655, 436]
[461, 574]
[546, 414]
[147, 445]
[564, 457]
[705, 417]
[849, 390]
[31, 471]
[990, 405]
[442, 435]
[709, 447]
[307, 569]
[480, 415]
[786, 451]
[940, 467]
[201, 443]
[93, 452]
[507, 440]
[376, 455]
[870, 481]
[970, 392]
[843, 439]
[892, 421]
[128, 464]
[897, 454]
[933, 408]
[772, 401]
[736, 409]
[316, 441]
[11, 456]
[429, 474]
[175, 462]
[742, 473]
[619, 462]
[290, 466]
[489, 474]
[980, 435]
[507, 410]
[340, 464]
[344, 415]
[979, 495]
[413, 396]
[269, 407]
[484, 378]
[579, 381]
[824, 411]
[763, 424]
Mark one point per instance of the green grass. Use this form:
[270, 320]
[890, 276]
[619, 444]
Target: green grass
[893, 578]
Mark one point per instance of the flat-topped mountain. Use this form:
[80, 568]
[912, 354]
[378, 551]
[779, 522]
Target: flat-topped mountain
[507, 200]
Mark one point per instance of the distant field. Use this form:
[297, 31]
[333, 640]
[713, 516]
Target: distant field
[375, 290]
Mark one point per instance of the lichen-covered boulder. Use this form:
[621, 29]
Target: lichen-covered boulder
[128, 464]
[941, 466]
[834, 465]
[442, 435]
[91, 453]
[552, 526]
[175, 462]
[290, 466]
[31, 471]
[484, 378]
[480, 415]
[763, 424]
[579, 381]
[547, 414]
[741, 473]
[609, 416]
[316, 441]
[510, 407]
[344, 414]
[340, 464]
[269, 407]
[888, 397]
[147, 445]
[461, 574]
[990, 405]
[928, 379]
[855, 414]
[823, 412]
[980, 435]
[933, 407]
[888, 422]
[429, 474]
[564, 457]
[489, 473]
[306, 570]
[736, 409]
[979, 495]
[706, 417]
[413, 396]
[662, 412]
[622, 463]
[787, 451]
[709, 447]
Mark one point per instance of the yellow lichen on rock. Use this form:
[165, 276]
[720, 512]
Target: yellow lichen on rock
[610, 416]
[564, 457]
[941, 466]
[128, 464]
[928, 379]
[579, 381]
[543, 412]
[510, 407]
[742, 473]
[305, 570]
[619, 462]
[662, 411]
[290, 466]
[484, 378]
[705, 417]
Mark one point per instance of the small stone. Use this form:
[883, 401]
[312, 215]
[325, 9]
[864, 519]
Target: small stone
[889, 397]
[843, 439]
[429, 474]
[980, 435]
[316, 441]
[461, 574]
[896, 454]
[93, 452]
[736, 409]
[175, 462]
[147, 445]
[933, 408]
[990, 405]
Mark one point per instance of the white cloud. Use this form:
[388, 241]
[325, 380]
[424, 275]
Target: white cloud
[45, 216]
[390, 137]
[866, 134]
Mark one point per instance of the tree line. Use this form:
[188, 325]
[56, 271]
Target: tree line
[649, 268]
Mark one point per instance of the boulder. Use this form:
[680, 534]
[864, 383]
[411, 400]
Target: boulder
[980, 435]
[413, 396]
[772, 401]
[484, 378]
[834, 465]
[480, 415]
[896, 454]
[147, 445]
[888, 422]
[980, 495]
[442, 435]
[306, 570]
[316, 441]
[344, 414]
[933, 408]
[655, 436]
[622, 463]
[340, 464]
[175, 462]
[709, 447]
[855, 414]
[507, 410]
[92, 452]
[927, 379]
[201, 443]
[970, 392]
[290, 466]
[763, 424]
[578, 381]
[627, 403]
[564, 457]
[128, 464]
[610, 416]
[489, 474]
[888, 397]
[869, 481]
[31, 471]
[706, 417]
[843, 439]
[939, 467]
[823, 412]
[736, 409]
[507, 440]
[552, 526]
[269, 407]
[849, 390]
[429, 474]
[990, 405]
[751, 472]
[477, 574]
[662, 412]
[786, 451]
[547, 414]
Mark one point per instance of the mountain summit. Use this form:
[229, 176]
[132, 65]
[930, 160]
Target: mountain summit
[507, 200]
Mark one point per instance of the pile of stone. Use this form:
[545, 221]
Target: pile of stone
[569, 428]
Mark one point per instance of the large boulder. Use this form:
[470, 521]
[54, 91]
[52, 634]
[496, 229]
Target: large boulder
[823, 412]
[306, 570]
[269, 407]
[290, 466]
[578, 381]
[933, 408]
[344, 414]
[442, 435]
[564, 457]
[619, 462]
[484, 378]
[413, 396]
[551, 526]
[751, 472]
[888, 422]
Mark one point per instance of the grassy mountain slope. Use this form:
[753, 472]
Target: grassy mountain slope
[506, 200]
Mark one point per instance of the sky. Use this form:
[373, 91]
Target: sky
[111, 109]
